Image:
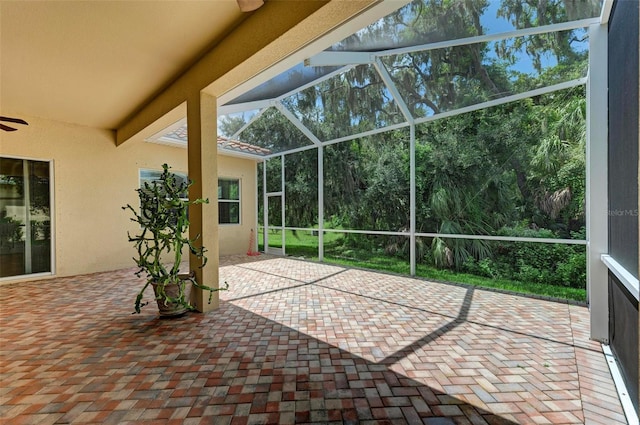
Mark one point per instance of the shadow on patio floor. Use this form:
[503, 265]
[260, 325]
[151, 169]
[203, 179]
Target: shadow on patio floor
[292, 342]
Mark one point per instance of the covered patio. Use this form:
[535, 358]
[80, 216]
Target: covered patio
[299, 342]
[282, 104]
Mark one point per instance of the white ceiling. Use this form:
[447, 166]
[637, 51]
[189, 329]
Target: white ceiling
[93, 62]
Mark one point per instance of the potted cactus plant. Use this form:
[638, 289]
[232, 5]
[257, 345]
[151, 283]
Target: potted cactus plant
[164, 222]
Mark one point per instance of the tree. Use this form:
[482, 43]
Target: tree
[510, 168]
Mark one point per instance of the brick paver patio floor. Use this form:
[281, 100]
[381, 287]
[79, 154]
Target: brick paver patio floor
[298, 342]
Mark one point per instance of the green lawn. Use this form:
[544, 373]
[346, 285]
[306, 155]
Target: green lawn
[554, 291]
[305, 244]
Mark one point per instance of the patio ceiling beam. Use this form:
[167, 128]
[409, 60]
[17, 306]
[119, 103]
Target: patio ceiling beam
[248, 123]
[335, 35]
[248, 106]
[295, 121]
[265, 38]
[506, 99]
[483, 105]
[485, 38]
[342, 139]
[291, 151]
[329, 58]
[244, 107]
[314, 82]
[351, 59]
[367, 133]
[393, 89]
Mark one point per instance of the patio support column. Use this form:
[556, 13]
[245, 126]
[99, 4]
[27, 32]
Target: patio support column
[597, 185]
[282, 205]
[265, 211]
[203, 170]
[412, 198]
[320, 203]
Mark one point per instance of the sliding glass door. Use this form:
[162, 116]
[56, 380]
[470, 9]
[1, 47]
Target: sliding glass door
[25, 217]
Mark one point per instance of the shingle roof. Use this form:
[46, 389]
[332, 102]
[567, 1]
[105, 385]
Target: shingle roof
[223, 142]
[237, 145]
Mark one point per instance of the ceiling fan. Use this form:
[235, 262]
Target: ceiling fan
[249, 5]
[13, 120]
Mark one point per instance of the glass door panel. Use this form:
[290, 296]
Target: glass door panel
[275, 231]
[39, 216]
[25, 217]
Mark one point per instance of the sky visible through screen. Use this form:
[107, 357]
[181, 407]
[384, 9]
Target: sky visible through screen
[491, 24]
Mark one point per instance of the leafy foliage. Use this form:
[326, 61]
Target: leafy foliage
[163, 217]
[10, 230]
[515, 169]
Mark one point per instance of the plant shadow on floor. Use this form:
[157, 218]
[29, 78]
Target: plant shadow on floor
[243, 364]
[226, 365]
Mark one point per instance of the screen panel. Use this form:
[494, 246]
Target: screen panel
[623, 334]
[623, 135]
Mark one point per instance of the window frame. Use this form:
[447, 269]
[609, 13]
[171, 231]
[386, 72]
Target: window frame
[52, 220]
[230, 201]
[141, 182]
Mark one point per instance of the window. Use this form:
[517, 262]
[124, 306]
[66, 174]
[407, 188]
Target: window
[228, 201]
[149, 176]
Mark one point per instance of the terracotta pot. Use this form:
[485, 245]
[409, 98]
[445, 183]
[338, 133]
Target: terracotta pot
[172, 290]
